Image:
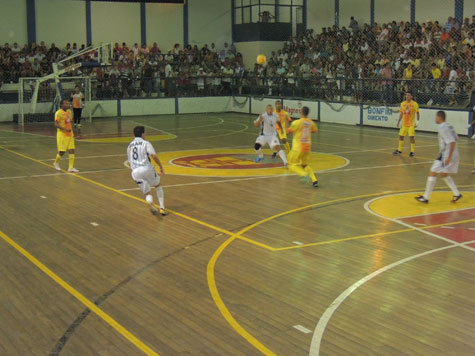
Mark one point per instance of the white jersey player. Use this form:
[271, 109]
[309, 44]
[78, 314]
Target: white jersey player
[139, 156]
[447, 162]
[268, 135]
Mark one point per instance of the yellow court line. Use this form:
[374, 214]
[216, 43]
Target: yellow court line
[371, 235]
[90, 305]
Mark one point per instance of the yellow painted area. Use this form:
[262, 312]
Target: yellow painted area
[404, 205]
[127, 139]
[318, 161]
[86, 302]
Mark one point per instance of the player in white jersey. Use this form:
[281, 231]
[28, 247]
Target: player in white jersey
[268, 134]
[139, 156]
[446, 163]
[473, 137]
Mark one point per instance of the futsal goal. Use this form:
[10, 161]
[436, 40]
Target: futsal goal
[40, 97]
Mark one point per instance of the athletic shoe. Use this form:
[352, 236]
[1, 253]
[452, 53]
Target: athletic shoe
[258, 159]
[457, 198]
[274, 155]
[397, 153]
[163, 212]
[153, 210]
[420, 198]
[473, 171]
[411, 154]
[286, 165]
[56, 166]
[473, 137]
[315, 184]
[79, 125]
[73, 170]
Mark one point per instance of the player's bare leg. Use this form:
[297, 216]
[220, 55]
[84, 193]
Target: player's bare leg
[260, 155]
[400, 146]
[71, 157]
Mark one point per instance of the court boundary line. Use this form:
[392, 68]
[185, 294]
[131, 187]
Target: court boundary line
[80, 297]
[328, 313]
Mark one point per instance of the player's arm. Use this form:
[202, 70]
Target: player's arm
[292, 127]
[399, 120]
[418, 114]
[157, 161]
[314, 128]
[451, 151]
[58, 125]
[258, 121]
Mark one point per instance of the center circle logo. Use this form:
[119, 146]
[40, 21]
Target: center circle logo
[224, 161]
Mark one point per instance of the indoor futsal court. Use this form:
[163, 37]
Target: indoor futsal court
[249, 261]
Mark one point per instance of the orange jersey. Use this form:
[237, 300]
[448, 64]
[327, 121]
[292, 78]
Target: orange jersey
[408, 111]
[77, 100]
[302, 130]
[284, 120]
[65, 120]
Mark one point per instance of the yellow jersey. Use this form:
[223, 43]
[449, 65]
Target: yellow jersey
[284, 120]
[409, 110]
[436, 73]
[65, 120]
[302, 130]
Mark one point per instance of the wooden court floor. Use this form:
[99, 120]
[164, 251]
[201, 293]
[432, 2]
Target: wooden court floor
[250, 260]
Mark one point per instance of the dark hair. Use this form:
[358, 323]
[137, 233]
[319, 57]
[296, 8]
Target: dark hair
[277, 101]
[305, 110]
[441, 114]
[62, 101]
[139, 131]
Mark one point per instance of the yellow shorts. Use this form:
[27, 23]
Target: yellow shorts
[282, 135]
[300, 158]
[407, 130]
[65, 142]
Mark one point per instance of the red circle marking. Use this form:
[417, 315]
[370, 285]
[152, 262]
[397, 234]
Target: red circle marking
[222, 161]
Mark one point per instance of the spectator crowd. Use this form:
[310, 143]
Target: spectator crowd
[363, 63]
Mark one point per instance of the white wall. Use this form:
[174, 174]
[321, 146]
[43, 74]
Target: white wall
[250, 50]
[360, 9]
[164, 24]
[13, 22]
[115, 22]
[132, 107]
[469, 9]
[209, 21]
[60, 22]
[435, 10]
[388, 10]
[320, 14]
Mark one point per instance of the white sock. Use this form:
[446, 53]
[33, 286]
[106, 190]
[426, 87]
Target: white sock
[430, 187]
[149, 198]
[161, 200]
[259, 152]
[450, 182]
[283, 156]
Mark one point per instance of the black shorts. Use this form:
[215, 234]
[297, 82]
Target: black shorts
[77, 114]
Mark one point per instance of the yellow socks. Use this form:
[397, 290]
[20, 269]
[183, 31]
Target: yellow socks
[401, 144]
[413, 147]
[71, 160]
[310, 173]
[58, 157]
[287, 147]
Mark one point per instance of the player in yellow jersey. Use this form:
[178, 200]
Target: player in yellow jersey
[302, 130]
[284, 123]
[408, 112]
[63, 120]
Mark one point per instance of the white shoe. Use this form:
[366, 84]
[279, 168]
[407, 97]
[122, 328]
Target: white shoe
[56, 166]
[473, 137]
[73, 170]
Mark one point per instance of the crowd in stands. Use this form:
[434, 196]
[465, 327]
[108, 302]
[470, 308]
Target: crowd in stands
[383, 58]
[366, 63]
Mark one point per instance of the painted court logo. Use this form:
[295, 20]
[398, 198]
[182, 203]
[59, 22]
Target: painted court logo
[223, 161]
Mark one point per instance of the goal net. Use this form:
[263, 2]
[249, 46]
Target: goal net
[39, 98]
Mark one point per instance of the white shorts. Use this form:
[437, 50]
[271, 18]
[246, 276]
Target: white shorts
[146, 178]
[272, 141]
[439, 167]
